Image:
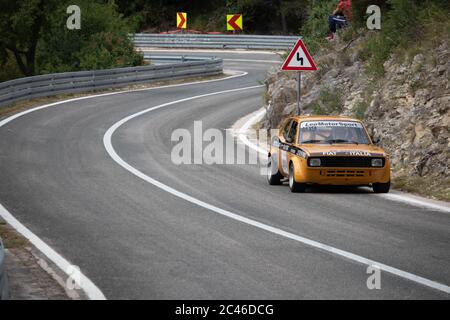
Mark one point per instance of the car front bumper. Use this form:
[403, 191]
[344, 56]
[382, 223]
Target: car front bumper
[343, 176]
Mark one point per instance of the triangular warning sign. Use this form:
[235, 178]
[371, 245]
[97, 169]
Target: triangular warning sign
[299, 59]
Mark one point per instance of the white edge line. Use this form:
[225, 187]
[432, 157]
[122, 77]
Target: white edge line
[91, 290]
[253, 60]
[243, 132]
[107, 141]
[84, 282]
[413, 201]
[20, 114]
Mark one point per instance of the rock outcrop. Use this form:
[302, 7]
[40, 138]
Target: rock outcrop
[407, 110]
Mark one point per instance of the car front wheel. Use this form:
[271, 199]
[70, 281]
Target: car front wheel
[293, 185]
[381, 187]
[273, 178]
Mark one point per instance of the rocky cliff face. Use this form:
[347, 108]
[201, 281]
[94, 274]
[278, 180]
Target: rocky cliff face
[408, 109]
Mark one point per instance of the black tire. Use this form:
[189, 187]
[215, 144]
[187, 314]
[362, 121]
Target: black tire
[293, 185]
[273, 179]
[381, 187]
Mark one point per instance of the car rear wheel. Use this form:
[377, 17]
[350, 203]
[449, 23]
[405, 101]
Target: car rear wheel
[293, 185]
[381, 187]
[273, 178]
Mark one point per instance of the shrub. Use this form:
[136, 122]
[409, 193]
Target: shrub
[316, 27]
[329, 102]
[8, 68]
[404, 25]
[360, 109]
[102, 42]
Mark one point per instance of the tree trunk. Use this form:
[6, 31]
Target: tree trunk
[22, 65]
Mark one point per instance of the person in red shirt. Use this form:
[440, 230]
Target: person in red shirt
[340, 17]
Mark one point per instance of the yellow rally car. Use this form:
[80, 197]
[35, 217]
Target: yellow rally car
[327, 151]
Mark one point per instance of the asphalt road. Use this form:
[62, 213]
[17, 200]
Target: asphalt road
[134, 240]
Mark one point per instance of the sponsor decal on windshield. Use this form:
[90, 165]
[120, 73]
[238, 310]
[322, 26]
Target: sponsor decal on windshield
[329, 124]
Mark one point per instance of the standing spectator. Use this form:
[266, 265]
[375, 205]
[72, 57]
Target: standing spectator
[340, 17]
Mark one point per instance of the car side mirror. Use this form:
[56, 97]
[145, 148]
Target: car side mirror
[289, 140]
[375, 141]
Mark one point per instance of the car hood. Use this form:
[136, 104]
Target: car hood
[362, 150]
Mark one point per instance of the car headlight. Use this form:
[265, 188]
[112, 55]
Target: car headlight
[314, 162]
[377, 162]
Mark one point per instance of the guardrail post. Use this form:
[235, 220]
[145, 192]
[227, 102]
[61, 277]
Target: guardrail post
[93, 81]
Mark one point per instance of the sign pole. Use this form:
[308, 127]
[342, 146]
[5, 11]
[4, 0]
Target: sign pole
[299, 88]
[299, 60]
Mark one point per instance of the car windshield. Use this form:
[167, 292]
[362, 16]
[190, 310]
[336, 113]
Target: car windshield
[350, 132]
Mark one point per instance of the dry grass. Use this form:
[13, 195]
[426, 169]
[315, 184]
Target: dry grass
[431, 187]
[11, 238]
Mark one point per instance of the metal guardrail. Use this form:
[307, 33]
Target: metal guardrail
[159, 59]
[73, 82]
[213, 41]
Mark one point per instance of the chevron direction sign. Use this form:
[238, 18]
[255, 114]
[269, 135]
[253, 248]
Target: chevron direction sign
[234, 22]
[181, 20]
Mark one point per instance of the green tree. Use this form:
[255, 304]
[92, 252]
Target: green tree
[34, 35]
[102, 42]
[21, 25]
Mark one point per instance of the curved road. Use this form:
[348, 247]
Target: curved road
[135, 240]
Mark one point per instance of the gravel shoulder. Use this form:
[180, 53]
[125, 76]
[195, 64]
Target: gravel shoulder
[31, 275]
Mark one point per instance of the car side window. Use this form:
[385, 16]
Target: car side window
[286, 129]
[292, 131]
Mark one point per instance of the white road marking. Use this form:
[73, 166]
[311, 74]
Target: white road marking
[20, 114]
[87, 285]
[91, 290]
[415, 201]
[253, 60]
[243, 132]
[348, 255]
[404, 198]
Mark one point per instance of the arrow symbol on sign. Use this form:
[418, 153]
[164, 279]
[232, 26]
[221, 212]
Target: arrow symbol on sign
[232, 22]
[299, 58]
[182, 20]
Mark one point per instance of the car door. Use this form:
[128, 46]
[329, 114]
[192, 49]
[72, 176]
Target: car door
[284, 137]
[291, 137]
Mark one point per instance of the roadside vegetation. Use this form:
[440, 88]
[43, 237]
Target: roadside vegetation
[34, 38]
[431, 187]
[259, 16]
[410, 27]
[11, 238]
[329, 102]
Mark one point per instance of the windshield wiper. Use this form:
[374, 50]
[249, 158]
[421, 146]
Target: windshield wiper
[311, 141]
[341, 141]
